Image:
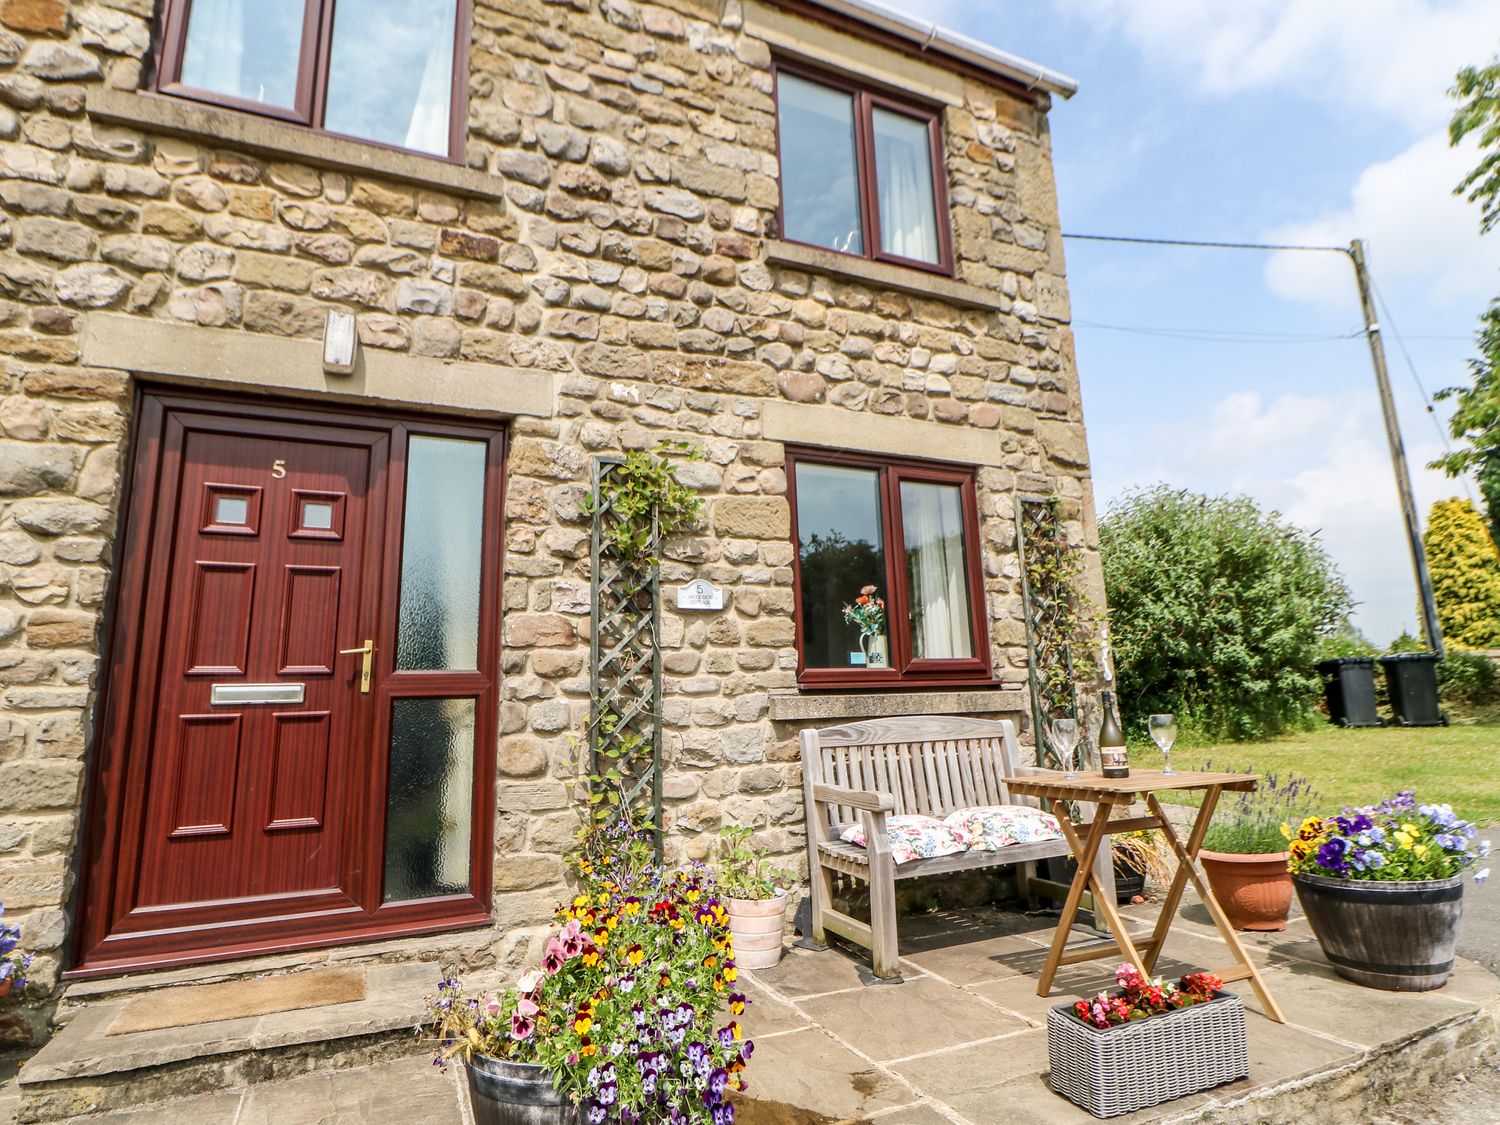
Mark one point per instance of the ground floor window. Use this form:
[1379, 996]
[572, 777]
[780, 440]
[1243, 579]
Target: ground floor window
[889, 587]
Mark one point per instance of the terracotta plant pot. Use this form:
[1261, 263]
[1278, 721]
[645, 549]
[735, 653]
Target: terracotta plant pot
[1254, 890]
[757, 926]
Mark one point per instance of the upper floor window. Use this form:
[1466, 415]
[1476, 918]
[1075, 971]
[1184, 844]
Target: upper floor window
[903, 536]
[861, 173]
[390, 71]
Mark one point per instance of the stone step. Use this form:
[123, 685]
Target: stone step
[85, 1070]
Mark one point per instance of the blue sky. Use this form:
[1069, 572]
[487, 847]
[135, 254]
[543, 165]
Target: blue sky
[1306, 121]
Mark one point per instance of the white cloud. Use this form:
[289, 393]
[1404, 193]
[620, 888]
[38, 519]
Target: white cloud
[1322, 462]
[1417, 230]
[1396, 57]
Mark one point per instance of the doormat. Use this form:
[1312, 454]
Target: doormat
[232, 1000]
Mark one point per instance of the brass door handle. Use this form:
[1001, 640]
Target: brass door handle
[366, 650]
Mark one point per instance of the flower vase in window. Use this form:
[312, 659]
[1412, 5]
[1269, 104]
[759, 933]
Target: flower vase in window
[867, 614]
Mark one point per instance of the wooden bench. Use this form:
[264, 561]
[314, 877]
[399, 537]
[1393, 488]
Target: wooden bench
[909, 766]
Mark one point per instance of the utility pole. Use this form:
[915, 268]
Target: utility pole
[1398, 451]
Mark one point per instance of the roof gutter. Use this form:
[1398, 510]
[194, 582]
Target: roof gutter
[933, 37]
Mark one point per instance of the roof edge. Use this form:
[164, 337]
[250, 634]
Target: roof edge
[934, 37]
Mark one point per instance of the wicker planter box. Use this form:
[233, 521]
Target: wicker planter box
[1110, 1071]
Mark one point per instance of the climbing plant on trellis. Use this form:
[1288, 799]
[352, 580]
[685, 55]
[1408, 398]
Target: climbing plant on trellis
[1058, 617]
[636, 503]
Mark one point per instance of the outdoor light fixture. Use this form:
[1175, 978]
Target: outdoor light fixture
[340, 343]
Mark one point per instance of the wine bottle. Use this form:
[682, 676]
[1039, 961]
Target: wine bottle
[1112, 756]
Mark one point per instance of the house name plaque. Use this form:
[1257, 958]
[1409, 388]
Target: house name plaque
[700, 594]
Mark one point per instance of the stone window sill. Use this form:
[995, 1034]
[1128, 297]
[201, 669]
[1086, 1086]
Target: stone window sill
[919, 283]
[154, 113]
[829, 707]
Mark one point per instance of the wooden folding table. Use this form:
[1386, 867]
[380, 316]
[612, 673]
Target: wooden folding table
[1104, 793]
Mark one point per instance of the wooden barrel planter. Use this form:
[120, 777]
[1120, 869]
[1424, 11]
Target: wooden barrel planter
[756, 925]
[512, 1093]
[1400, 936]
[1254, 890]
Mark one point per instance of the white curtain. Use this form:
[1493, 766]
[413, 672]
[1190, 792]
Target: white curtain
[428, 131]
[214, 58]
[908, 208]
[932, 518]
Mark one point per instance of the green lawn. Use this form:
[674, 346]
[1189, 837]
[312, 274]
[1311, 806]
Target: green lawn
[1459, 764]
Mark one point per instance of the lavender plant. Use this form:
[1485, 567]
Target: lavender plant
[1252, 823]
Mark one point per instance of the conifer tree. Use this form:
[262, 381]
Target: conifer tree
[1465, 568]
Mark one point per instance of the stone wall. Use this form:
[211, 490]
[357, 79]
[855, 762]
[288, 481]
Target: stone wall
[623, 244]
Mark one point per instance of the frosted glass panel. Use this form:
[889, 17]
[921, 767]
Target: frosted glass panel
[245, 48]
[390, 77]
[932, 519]
[908, 206]
[438, 624]
[819, 173]
[429, 798]
[231, 509]
[317, 516]
[839, 550]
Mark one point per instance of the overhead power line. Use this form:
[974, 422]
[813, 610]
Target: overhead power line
[1223, 335]
[1355, 252]
[1210, 245]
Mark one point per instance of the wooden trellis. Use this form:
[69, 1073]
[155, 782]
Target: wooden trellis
[1049, 651]
[625, 663]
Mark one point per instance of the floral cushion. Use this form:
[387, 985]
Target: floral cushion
[992, 827]
[914, 837]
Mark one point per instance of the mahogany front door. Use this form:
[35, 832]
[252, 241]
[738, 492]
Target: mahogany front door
[300, 716]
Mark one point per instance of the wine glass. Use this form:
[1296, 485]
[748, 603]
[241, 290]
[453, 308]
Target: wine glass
[1064, 740]
[1163, 730]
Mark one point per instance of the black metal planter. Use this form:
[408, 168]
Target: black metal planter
[1399, 936]
[510, 1093]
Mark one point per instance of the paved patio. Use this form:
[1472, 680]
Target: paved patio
[961, 1040]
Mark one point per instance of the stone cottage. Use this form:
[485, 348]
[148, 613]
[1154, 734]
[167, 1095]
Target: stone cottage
[312, 324]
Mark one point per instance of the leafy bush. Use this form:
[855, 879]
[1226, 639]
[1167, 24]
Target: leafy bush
[1468, 678]
[1406, 642]
[1217, 610]
[1465, 568]
[1346, 642]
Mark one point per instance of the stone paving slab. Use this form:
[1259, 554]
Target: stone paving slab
[811, 1069]
[409, 1091]
[933, 1016]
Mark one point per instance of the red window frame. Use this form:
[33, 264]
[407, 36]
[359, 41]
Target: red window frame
[866, 101]
[311, 99]
[906, 670]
